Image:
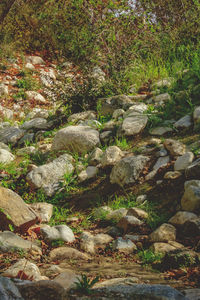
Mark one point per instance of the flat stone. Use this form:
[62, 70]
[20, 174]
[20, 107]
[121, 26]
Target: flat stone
[35, 60]
[82, 116]
[66, 253]
[161, 162]
[14, 211]
[116, 281]
[183, 161]
[37, 123]
[160, 131]
[129, 223]
[192, 294]
[58, 232]
[165, 247]
[138, 213]
[87, 242]
[184, 123]
[128, 170]
[76, 139]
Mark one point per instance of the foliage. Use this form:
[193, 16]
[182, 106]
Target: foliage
[149, 257]
[85, 284]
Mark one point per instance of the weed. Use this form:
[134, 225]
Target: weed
[122, 143]
[148, 257]
[57, 243]
[59, 216]
[85, 284]
[122, 201]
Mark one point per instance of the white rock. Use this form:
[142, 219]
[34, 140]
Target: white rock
[26, 150]
[118, 113]
[162, 98]
[183, 161]
[6, 113]
[183, 123]
[124, 245]
[38, 113]
[38, 123]
[58, 232]
[191, 198]
[43, 210]
[181, 217]
[161, 162]
[111, 156]
[29, 66]
[87, 174]
[136, 108]
[196, 114]
[175, 147]
[82, 116]
[134, 124]
[95, 156]
[129, 223]
[3, 89]
[6, 157]
[36, 96]
[35, 60]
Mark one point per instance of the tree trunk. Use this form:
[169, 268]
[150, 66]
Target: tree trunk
[6, 10]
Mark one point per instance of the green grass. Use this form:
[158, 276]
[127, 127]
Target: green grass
[148, 257]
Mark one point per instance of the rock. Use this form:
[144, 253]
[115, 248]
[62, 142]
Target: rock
[4, 146]
[98, 74]
[183, 161]
[28, 137]
[43, 210]
[162, 152]
[29, 66]
[164, 233]
[11, 135]
[40, 290]
[129, 223]
[180, 257]
[14, 211]
[124, 245]
[89, 173]
[111, 156]
[141, 199]
[116, 281]
[134, 124]
[191, 198]
[161, 162]
[30, 269]
[166, 82]
[32, 95]
[76, 139]
[82, 116]
[109, 105]
[162, 98]
[48, 77]
[138, 213]
[118, 113]
[67, 279]
[174, 147]
[37, 123]
[109, 126]
[136, 238]
[192, 227]
[66, 253]
[58, 232]
[35, 60]
[26, 150]
[102, 211]
[9, 241]
[87, 242]
[6, 113]
[128, 170]
[106, 136]
[136, 108]
[165, 247]
[181, 217]
[3, 89]
[117, 214]
[38, 113]
[102, 239]
[183, 123]
[8, 290]
[192, 294]
[196, 115]
[49, 175]
[95, 157]
[6, 157]
[160, 131]
[193, 170]
[141, 292]
[172, 175]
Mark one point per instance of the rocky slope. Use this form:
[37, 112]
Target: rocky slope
[100, 192]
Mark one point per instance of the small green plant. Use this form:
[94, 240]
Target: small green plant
[122, 143]
[122, 201]
[148, 257]
[85, 284]
[57, 243]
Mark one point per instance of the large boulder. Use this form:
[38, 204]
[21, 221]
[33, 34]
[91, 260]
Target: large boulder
[164, 233]
[14, 211]
[49, 175]
[79, 139]
[191, 198]
[128, 170]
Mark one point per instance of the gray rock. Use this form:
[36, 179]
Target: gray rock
[6, 157]
[4, 146]
[129, 223]
[49, 175]
[141, 199]
[118, 113]
[8, 290]
[35, 60]
[11, 135]
[26, 150]
[41, 290]
[110, 125]
[134, 124]
[116, 281]
[136, 108]
[76, 138]
[193, 170]
[38, 113]
[30, 269]
[183, 123]
[102, 211]
[37, 123]
[66, 253]
[14, 211]
[160, 131]
[111, 156]
[89, 173]
[128, 170]
[3, 89]
[174, 147]
[181, 217]
[87, 242]
[11, 242]
[6, 113]
[117, 214]
[30, 95]
[43, 210]
[28, 137]
[138, 213]
[58, 232]
[106, 136]
[192, 294]
[102, 239]
[162, 98]
[82, 116]
[183, 161]
[161, 153]
[124, 245]
[191, 198]
[29, 66]
[109, 105]
[166, 82]
[165, 247]
[161, 162]
[196, 115]
[164, 233]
